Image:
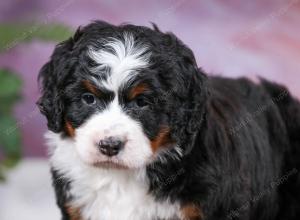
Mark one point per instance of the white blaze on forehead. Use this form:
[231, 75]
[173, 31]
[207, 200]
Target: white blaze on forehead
[123, 58]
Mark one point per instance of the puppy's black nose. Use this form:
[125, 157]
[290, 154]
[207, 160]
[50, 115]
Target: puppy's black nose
[111, 146]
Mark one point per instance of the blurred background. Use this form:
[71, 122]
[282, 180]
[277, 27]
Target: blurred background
[230, 38]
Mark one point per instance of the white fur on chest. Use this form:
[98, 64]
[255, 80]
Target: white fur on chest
[115, 195]
[107, 194]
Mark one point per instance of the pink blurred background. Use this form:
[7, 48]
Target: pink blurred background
[230, 38]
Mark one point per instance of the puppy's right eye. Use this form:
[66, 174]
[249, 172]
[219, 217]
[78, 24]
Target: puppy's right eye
[88, 98]
[141, 102]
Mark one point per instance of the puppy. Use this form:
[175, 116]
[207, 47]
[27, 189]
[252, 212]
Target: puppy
[137, 131]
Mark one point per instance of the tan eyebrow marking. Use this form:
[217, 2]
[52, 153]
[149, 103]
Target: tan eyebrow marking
[91, 88]
[137, 90]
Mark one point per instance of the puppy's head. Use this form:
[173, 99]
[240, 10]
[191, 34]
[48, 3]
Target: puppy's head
[125, 96]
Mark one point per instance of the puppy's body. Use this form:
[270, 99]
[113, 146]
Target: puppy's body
[181, 145]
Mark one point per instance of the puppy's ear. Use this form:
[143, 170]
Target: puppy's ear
[194, 114]
[52, 79]
[50, 103]
[190, 94]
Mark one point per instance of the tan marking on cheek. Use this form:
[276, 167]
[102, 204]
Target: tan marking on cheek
[91, 88]
[134, 92]
[162, 138]
[70, 130]
[74, 213]
[192, 212]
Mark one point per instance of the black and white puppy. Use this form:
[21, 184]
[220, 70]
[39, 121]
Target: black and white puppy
[137, 131]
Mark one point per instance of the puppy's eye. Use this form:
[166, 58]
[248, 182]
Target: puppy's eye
[88, 98]
[141, 101]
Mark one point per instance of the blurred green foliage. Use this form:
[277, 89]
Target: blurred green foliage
[13, 34]
[10, 135]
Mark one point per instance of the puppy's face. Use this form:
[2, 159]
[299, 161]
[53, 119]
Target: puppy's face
[113, 113]
[121, 94]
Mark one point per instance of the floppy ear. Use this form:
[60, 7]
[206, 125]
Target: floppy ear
[190, 95]
[50, 103]
[194, 114]
[52, 77]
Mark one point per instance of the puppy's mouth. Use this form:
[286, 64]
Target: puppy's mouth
[110, 165]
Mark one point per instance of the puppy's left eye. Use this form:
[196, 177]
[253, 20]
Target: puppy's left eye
[88, 98]
[141, 101]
